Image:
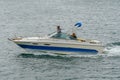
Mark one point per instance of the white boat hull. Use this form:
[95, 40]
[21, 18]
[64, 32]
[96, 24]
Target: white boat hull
[60, 46]
[63, 44]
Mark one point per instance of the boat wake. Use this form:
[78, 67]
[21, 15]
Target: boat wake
[113, 49]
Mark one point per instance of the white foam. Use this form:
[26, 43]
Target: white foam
[113, 51]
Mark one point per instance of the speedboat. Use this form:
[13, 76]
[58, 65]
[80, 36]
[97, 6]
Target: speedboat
[60, 44]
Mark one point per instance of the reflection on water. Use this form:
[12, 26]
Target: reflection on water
[57, 56]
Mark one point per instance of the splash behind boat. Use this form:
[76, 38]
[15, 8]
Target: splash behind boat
[61, 44]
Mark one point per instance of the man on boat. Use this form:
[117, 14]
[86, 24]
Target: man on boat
[58, 31]
[73, 36]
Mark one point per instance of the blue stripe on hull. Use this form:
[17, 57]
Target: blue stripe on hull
[54, 48]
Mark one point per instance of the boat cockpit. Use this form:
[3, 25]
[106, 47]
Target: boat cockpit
[62, 35]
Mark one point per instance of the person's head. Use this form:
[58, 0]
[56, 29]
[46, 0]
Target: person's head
[73, 34]
[58, 27]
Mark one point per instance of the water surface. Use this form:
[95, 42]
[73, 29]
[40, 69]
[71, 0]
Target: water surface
[100, 18]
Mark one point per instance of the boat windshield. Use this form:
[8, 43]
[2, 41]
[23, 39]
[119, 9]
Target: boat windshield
[61, 36]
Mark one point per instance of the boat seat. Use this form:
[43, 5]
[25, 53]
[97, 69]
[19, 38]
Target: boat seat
[80, 39]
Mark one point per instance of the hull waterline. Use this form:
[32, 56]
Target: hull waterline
[61, 50]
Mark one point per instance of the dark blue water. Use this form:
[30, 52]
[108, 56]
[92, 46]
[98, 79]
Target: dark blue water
[100, 19]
